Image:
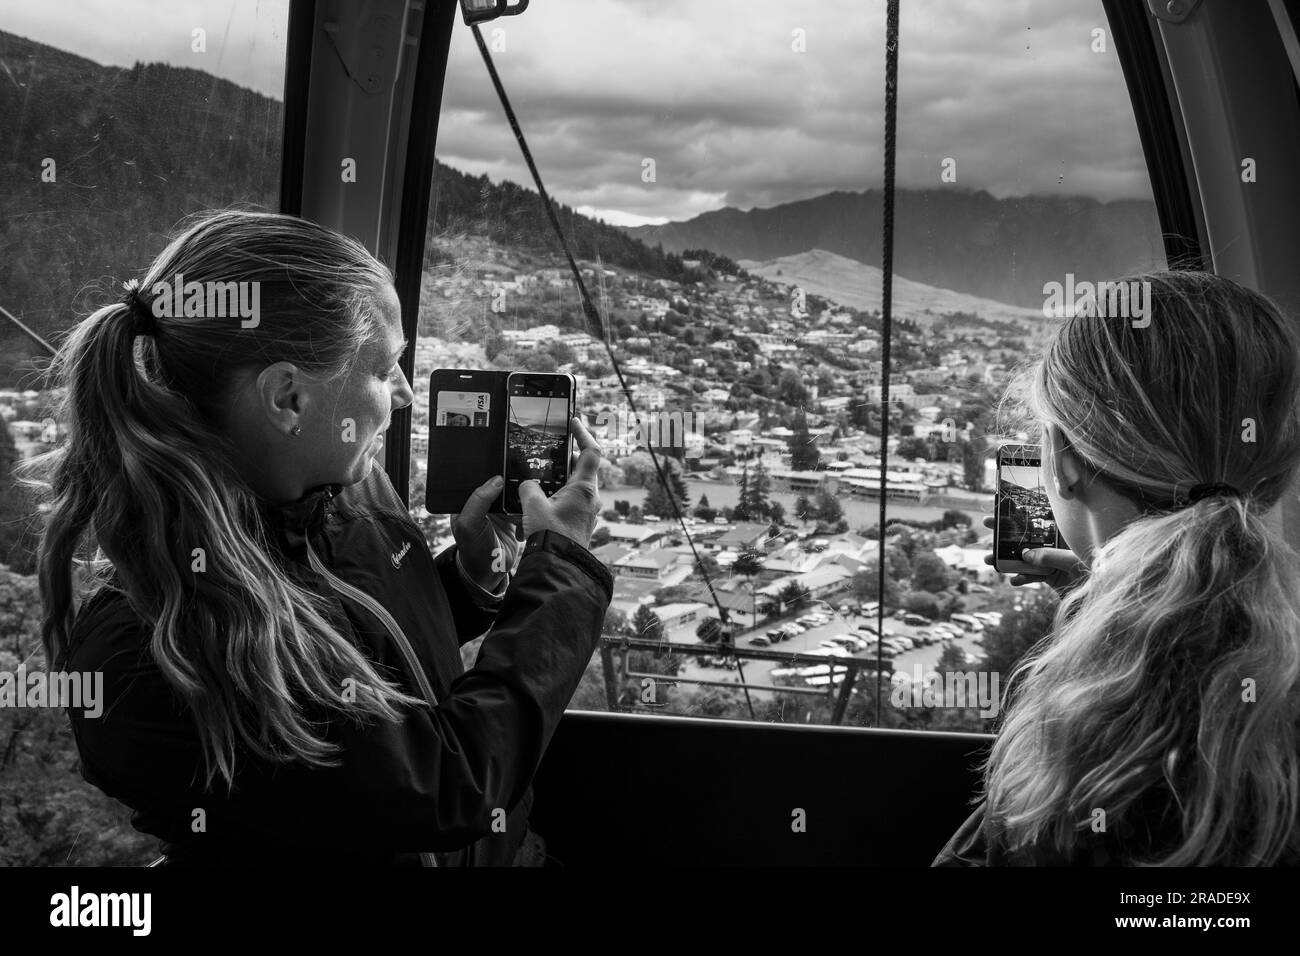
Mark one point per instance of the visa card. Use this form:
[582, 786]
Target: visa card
[462, 409]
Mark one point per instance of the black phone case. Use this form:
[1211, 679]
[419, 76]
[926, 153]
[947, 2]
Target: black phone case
[461, 459]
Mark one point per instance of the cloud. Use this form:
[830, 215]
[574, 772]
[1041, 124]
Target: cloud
[717, 95]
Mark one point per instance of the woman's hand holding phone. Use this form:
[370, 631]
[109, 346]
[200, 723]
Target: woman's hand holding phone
[1062, 569]
[571, 511]
[488, 544]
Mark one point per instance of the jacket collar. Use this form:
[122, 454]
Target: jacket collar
[305, 514]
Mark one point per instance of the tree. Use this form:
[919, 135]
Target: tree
[666, 500]
[1006, 644]
[803, 509]
[707, 565]
[599, 537]
[709, 630]
[828, 512]
[703, 511]
[913, 447]
[919, 602]
[951, 658]
[646, 624]
[741, 511]
[757, 506]
[929, 573]
[795, 597]
[952, 518]
[972, 464]
[865, 584]
[639, 469]
[804, 454]
[748, 563]
[790, 389]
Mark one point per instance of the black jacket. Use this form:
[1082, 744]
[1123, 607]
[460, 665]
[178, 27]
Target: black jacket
[433, 783]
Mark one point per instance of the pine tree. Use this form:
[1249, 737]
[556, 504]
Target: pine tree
[757, 505]
[804, 454]
[741, 512]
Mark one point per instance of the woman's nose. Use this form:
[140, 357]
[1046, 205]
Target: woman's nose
[402, 395]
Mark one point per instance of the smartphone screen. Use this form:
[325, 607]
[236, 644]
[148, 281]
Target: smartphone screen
[1024, 512]
[538, 407]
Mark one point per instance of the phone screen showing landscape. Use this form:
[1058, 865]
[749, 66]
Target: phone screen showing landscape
[537, 436]
[1025, 517]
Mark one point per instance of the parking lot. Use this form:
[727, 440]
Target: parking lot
[922, 656]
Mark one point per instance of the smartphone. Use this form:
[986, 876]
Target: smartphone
[538, 434]
[467, 428]
[1023, 511]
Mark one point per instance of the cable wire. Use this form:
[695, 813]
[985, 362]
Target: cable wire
[597, 328]
[886, 305]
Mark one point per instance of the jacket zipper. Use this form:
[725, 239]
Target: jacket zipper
[394, 631]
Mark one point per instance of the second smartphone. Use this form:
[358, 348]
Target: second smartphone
[1023, 511]
[539, 406]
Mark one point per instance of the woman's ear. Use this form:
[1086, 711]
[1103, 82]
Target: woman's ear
[280, 395]
[1067, 469]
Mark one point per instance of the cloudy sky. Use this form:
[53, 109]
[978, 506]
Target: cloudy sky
[716, 93]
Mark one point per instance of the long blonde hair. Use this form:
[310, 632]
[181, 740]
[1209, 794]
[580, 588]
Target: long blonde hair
[1173, 671]
[147, 473]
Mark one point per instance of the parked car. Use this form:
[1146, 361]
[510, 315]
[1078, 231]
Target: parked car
[776, 635]
[905, 642]
[796, 628]
[916, 620]
[759, 641]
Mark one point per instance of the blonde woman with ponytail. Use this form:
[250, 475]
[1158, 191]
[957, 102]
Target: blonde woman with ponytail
[1157, 723]
[280, 649]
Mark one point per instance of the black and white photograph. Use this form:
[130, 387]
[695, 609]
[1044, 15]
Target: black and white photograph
[301, 567]
[537, 438]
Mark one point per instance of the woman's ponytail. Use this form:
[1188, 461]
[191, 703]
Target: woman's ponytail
[146, 470]
[1167, 695]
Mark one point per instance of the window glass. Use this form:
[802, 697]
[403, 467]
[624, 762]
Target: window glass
[118, 119]
[719, 170]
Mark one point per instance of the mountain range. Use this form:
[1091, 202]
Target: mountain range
[858, 286]
[967, 241]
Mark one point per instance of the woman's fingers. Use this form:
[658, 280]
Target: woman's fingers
[589, 459]
[1053, 559]
[476, 508]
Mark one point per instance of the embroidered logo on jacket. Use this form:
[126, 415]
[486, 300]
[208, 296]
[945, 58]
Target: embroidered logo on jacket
[398, 555]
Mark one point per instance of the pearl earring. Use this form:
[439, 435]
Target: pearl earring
[296, 430]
